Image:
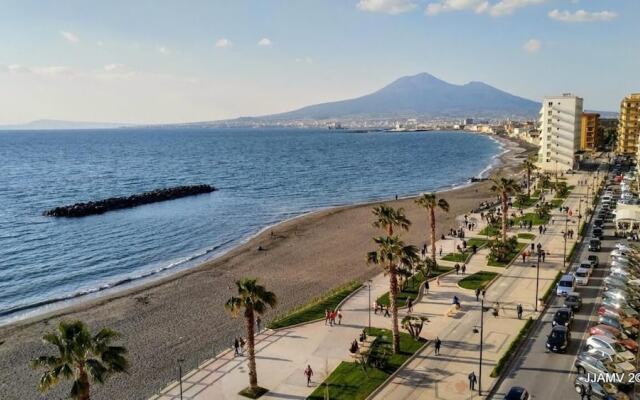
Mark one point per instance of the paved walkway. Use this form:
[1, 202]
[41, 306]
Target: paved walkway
[282, 356]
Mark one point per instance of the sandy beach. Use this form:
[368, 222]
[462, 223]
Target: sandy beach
[182, 316]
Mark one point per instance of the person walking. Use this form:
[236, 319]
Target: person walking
[464, 268]
[258, 323]
[308, 372]
[327, 316]
[472, 381]
[236, 347]
[519, 310]
[484, 293]
[457, 267]
[410, 305]
[339, 317]
[524, 257]
[438, 281]
[440, 252]
[242, 345]
[386, 312]
[375, 307]
[477, 294]
[426, 287]
[532, 246]
[438, 343]
[544, 253]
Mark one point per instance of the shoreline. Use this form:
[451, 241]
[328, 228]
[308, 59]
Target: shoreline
[171, 269]
[181, 315]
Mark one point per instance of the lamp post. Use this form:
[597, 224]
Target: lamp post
[370, 304]
[564, 254]
[475, 330]
[537, 279]
[579, 216]
[180, 361]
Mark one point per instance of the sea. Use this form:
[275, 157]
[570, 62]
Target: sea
[263, 176]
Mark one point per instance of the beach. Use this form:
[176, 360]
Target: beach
[182, 316]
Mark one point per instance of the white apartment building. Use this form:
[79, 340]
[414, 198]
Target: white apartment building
[560, 119]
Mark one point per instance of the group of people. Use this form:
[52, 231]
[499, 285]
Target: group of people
[384, 310]
[458, 233]
[238, 346]
[568, 234]
[460, 268]
[330, 317]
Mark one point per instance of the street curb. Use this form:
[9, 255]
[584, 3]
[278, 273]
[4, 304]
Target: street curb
[338, 307]
[397, 371]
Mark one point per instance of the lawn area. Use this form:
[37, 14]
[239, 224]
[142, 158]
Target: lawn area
[490, 230]
[477, 280]
[528, 236]
[556, 203]
[510, 257]
[412, 288]
[349, 381]
[462, 257]
[533, 217]
[316, 308]
[527, 203]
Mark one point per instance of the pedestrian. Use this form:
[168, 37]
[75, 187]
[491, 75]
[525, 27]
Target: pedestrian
[472, 381]
[375, 306]
[258, 323]
[484, 294]
[477, 293]
[464, 268]
[438, 343]
[524, 257]
[540, 229]
[333, 318]
[386, 311]
[440, 251]
[438, 281]
[327, 317]
[551, 221]
[544, 253]
[308, 372]
[410, 305]
[519, 310]
[474, 249]
[457, 267]
[426, 287]
[236, 346]
[545, 229]
[532, 246]
[339, 317]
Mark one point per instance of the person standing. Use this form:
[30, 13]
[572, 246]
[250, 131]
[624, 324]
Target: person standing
[410, 305]
[438, 343]
[375, 307]
[519, 310]
[339, 317]
[457, 267]
[236, 346]
[464, 268]
[472, 381]
[426, 287]
[477, 294]
[241, 345]
[258, 323]
[327, 316]
[308, 372]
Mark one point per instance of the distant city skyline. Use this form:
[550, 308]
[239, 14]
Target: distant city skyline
[170, 62]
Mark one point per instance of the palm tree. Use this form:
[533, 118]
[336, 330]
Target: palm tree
[83, 358]
[504, 187]
[253, 299]
[391, 253]
[389, 217]
[430, 203]
[529, 166]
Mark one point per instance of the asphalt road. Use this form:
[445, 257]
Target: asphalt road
[549, 375]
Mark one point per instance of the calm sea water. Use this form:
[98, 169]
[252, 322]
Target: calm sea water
[264, 176]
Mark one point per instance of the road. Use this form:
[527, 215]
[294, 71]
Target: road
[549, 375]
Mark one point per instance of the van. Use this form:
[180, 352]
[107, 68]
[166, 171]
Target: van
[566, 285]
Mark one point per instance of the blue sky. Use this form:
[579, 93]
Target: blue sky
[148, 61]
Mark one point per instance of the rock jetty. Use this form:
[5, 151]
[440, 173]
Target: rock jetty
[118, 203]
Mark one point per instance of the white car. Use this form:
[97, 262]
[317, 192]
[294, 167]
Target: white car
[582, 276]
[605, 342]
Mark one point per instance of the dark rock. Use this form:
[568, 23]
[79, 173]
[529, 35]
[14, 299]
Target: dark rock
[117, 203]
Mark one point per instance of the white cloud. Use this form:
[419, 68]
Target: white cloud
[306, 60]
[392, 7]
[46, 70]
[496, 9]
[223, 43]
[265, 42]
[532, 46]
[70, 37]
[163, 50]
[582, 16]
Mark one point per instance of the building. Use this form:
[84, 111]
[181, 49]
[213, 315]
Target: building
[628, 125]
[560, 120]
[590, 132]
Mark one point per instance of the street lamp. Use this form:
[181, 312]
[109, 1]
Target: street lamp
[370, 304]
[579, 216]
[537, 279]
[475, 330]
[180, 361]
[565, 234]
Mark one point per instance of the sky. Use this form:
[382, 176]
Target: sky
[162, 61]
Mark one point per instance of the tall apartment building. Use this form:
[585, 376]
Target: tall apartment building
[560, 120]
[629, 125]
[590, 132]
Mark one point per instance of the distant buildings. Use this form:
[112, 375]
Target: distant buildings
[629, 125]
[590, 134]
[560, 120]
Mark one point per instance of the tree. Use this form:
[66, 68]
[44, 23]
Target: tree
[389, 218]
[414, 324]
[504, 187]
[252, 299]
[529, 166]
[82, 358]
[426, 267]
[429, 202]
[545, 181]
[391, 253]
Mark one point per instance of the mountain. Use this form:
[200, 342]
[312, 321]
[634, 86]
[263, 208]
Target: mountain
[52, 124]
[420, 96]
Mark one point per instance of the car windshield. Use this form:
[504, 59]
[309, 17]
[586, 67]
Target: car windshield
[556, 335]
[572, 299]
[618, 347]
[581, 274]
[566, 283]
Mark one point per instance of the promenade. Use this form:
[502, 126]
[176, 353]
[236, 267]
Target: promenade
[283, 355]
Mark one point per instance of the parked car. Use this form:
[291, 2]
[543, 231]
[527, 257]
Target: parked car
[598, 222]
[615, 358]
[517, 393]
[615, 334]
[594, 245]
[606, 342]
[586, 265]
[566, 285]
[573, 301]
[563, 317]
[598, 391]
[597, 232]
[594, 260]
[559, 339]
[582, 276]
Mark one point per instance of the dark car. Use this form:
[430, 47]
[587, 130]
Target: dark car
[563, 317]
[594, 245]
[558, 340]
[597, 232]
[517, 393]
[582, 382]
[594, 260]
[598, 222]
[573, 301]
